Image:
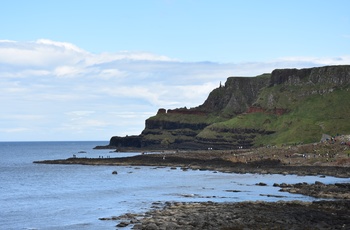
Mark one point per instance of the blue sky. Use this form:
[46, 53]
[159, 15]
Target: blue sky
[88, 70]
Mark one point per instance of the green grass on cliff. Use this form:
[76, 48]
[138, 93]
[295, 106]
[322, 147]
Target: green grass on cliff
[307, 120]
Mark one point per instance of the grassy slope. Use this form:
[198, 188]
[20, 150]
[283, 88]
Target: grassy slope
[188, 118]
[307, 120]
[308, 117]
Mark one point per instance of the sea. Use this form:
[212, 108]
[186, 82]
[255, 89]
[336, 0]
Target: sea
[44, 196]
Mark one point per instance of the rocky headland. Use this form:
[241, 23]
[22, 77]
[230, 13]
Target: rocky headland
[285, 106]
[274, 123]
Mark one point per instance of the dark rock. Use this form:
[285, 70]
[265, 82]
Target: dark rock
[122, 224]
[250, 215]
[128, 141]
[233, 190]
[270, 195]
[284, 185]
[151, 226]
[318, 183]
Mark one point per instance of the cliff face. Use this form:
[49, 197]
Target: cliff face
[248, 110]
[329, 76]
[173, 125]
[236, 96]
[288, 86]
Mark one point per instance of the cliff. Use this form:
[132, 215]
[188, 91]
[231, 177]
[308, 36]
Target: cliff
[286, 106]
[329, 76]
[236, 96]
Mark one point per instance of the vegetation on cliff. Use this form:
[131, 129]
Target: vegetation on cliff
[305, 122]
[285, 107]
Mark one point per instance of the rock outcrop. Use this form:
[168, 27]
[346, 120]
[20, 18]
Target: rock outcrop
[238, 94]
[226, 119]
[332, 75]
[128, 141]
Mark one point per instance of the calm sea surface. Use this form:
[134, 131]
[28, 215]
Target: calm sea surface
[38, 196]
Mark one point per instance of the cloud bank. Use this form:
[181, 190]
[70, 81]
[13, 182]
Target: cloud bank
[56, 91]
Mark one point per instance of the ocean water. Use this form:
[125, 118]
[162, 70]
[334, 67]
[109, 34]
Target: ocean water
[39, 196]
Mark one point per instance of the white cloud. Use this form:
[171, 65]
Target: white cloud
[14, 90]
[131, 115]
[64, 45]
[103, 58]
[27, 117]
[80, 113]
[67, 88]
[38, 54]
[69, 71]
[316, 61]
[83, 124]
[111, 73]
[14, 130]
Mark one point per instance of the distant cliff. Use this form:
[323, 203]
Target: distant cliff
[286, 106]
[238, 94]
[329, 76]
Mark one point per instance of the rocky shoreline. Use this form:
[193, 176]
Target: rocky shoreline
[331, 213]
[242, 215]
[319, 190]
[232, 162]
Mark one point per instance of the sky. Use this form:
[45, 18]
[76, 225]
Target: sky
[90, 70]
